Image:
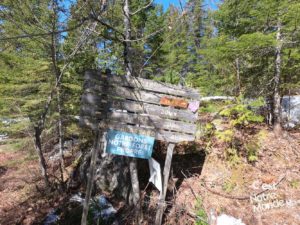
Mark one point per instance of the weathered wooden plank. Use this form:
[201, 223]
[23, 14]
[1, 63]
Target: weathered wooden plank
[88, 122]
[91, 99]
[92, 96]
[144, 84]
[90, 110]
[161, 205]
[156, 110]
[138, 107]
[152, 121]
[125, 93]
[162, 135]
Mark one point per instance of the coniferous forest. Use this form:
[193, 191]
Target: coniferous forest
[241, 56]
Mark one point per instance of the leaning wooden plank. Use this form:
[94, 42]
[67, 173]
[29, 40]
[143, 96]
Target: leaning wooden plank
[147, 131]
[90, 110]
[96, 148]
[91, 99]
[157, 110]
[139, 107]
[162, 197]
[144, 84]
[124, 93]
[152, 121]
[95, 94]
[216, 98]
[88, 122]
[173, 137]
[161, 135]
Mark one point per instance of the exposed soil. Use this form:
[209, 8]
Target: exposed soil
[22, 200]
[225, 189]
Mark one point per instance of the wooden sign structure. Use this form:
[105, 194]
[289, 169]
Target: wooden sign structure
[140, 106]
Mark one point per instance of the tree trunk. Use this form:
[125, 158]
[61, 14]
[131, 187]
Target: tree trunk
[95, 150]
[129, 71]
[238, 78]
[38, 148]
[276, 95]
[166, 174]
[135, 186]
[60, 136]
[126, 43]
[57, 73]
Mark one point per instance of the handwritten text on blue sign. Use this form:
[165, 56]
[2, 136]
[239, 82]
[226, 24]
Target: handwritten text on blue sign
[128, 144]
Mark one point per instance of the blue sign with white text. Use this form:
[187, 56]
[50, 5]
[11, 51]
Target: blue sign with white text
[128, 144]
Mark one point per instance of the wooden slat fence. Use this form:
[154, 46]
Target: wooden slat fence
[133, 105]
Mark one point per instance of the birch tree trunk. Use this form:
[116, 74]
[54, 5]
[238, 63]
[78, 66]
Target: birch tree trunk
[277, 76]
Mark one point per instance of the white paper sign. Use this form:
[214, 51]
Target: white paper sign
[155, 174]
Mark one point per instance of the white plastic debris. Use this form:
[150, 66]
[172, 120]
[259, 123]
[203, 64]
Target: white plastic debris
[155, 174]
[77, 198]
[224, 219]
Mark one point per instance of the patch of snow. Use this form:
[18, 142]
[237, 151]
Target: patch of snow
[3, 137]
[291, 110]
[224, 219]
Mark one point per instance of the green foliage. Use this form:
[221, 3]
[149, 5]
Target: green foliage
[232, 156]
[240, 113]
[228, 186]
[236, 118]
[225, 136]
[211, 107]
[294, 183]
[253, 145]
[252, 151]
[202, 217]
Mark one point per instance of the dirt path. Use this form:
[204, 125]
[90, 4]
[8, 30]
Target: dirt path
[19, 176]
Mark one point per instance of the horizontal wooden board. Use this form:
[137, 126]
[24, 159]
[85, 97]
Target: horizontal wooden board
[92, 107]
[161, 135]
[125, 93]
[95, 94]
[144, 84]
[162, 111]
[152, 121]
[88, 122]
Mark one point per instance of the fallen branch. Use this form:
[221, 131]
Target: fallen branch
[217, 98]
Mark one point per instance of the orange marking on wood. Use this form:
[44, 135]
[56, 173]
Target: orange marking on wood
[176, 102]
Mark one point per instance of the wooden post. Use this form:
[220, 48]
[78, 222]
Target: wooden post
[166, 174]
[89, 188]
[135, 188]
